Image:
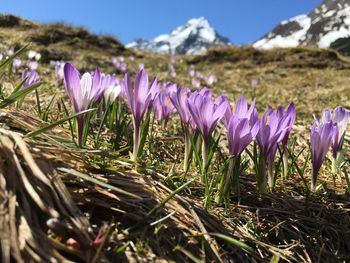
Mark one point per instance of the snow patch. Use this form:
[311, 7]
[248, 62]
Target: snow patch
[332, 36]
[292, 40]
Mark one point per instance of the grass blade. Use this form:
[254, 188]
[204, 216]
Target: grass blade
[9, 60]
[97, 182]
[233, 242]
[50, 126]
[17, 94]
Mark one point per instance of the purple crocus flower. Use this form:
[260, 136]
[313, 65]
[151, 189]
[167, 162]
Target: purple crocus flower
[322, 136]
[33, 65]
[169, 88]
[59, 65]
[191, 71]
[112, 90]
[10, 52]
[242, 110]
[115, 62]
[275, 128]
[139, 99]
[31, 77]
[80, 92]
[179, 100]
[1, 56]
[205, 92]
[240, 134]
[16, 63]
[254, 83]
[210, 79]
[196, 83]
[172, 71]
[141, 66]
[119, 63]
[272, 130]
[163, 107]
[339, 116]
[199, 75]
[123, 67]
[289, 114]
[205, 113]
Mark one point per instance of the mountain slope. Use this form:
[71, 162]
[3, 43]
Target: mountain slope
[57, 41]
[195, 37]
[322, 27]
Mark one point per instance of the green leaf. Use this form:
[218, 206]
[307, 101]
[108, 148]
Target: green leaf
[50, 126]
[97, 182]
[18, 93]
[193, 140]
[69, 121]
[9, 60]
[275, 259]
[45, 114]
[233, 242]
[144, 132]
[103, 120]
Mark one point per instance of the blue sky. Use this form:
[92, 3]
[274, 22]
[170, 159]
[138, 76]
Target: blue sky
[242, 21]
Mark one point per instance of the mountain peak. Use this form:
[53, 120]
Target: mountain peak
[194, 37]
[323, 27]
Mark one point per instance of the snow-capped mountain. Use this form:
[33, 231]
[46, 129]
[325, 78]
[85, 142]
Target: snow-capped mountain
[195, 37]
[328, 25]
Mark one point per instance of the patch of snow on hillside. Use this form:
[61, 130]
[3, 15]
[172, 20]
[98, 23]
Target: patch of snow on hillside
[292, 40]
[342, 16]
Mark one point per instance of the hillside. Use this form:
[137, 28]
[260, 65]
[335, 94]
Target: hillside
[62, 202]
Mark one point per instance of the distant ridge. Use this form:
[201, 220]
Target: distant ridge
[194, 37]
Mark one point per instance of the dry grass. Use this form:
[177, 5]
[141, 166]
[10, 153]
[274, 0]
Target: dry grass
[285, 224]
[42, 178]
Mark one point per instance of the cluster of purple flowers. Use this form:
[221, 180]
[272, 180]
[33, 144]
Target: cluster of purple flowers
[30, 77]
[325, 134]
[197, 78]
[32, 62]
[58, 65]
[119, 64]
[84, 90]
[200, 112]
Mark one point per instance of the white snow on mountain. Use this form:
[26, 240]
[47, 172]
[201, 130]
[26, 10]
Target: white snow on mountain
[195, 37]
[292, 40]
[343, 17]
[326, 24]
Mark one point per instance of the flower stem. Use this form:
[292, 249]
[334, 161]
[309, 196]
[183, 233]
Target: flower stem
[187, 149]
[205, 149]
[224, 187]
[262, 185]
[136, 145]
[80, 128]
[270, 175]
[285, 164]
